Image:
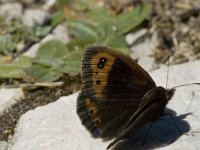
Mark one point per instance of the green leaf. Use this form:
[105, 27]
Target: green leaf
[51, 54]
[95, 24]
[43, 74]
[11, 72]
[131, 19]
[82, 5]
[35, 33]
[99, 15]
[48, 61]
[62, 3]
[41, 31]
[52, 50]
[22, 62]
[53, 59]
[105, 28]
[73, 62]
[118, 42]
[78, 44]
[82, 29]
[7, 45]
[15, 69]
[57, 18]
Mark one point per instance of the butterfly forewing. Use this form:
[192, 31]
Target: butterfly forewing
[113, 86]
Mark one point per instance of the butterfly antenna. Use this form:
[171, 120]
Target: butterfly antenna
[167, 72]
[185, 85]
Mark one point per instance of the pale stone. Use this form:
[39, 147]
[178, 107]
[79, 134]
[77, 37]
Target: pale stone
[34, 16]
[49, 4]
[61, 33]
[147, 63]
[54, 127]
[132, 37]
[57, 126]
[8, 97]
[145, 48]
[33, 50]
[3, 145]
[10, 11]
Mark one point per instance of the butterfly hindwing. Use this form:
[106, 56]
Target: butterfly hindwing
[113, 86]
[151, 107]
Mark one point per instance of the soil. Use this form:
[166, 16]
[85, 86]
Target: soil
[31, 100]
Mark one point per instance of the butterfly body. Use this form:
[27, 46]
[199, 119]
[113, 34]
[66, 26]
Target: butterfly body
[117, 96]
[152, 107]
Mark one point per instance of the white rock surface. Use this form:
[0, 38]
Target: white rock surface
[183, 101]
[8, 97]
[3, 145]
[56, 126]
[61, 33]
[10, 11]
[147, 63]
[32, 51]
[34, 16]
[145, 48]
[49, 4]
[143, 51]
[132, 37]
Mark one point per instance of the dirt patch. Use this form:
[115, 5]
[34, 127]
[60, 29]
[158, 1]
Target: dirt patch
[33, 99]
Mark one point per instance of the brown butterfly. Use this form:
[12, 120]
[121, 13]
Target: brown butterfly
[117, 96]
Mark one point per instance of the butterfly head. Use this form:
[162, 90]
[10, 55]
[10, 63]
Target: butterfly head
[170, 93]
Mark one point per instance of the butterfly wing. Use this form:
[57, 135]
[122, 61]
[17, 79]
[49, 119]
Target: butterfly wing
[153, 103]
[113, 86]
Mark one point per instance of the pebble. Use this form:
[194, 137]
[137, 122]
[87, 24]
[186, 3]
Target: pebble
[11, 11]
[34, 16]
[8, 97]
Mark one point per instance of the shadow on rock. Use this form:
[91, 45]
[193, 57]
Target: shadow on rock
[162, 133]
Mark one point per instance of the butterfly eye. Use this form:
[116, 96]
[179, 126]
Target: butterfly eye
[98, 82]
[101, 63]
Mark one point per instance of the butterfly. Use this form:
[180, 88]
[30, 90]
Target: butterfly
[117, 96]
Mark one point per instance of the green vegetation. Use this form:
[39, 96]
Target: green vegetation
[53, 59]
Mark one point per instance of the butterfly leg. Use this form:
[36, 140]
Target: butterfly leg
[174, 121]
[190, 102]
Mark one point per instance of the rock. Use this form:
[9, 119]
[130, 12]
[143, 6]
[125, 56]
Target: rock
[3, 145]
[57, 126]
[49, 4]
[31, 52]
[145, 48]
[34, 16]
[61, 33]
[11, 11]
[8, 97]
[147, 63]
[132, 37]
[53, 127]
[143, 51]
